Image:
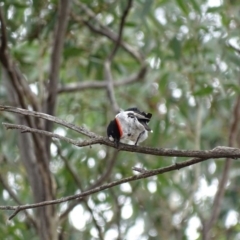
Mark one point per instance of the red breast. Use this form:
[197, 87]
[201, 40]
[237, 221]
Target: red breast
[119, 127]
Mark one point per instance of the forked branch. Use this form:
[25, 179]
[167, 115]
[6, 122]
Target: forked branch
[198, 156]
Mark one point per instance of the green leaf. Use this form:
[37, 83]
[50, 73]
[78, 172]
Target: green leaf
[175, 45]
[203, 91]
[183, 6]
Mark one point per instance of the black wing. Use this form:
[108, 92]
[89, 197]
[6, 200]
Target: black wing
[142, 117]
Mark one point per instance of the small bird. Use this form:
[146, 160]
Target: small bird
[131, 124]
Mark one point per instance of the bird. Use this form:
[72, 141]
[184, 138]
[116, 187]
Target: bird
[130, 124]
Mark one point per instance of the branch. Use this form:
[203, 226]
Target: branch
[52, 88]
[123, 19]
[64, 6]
[146, 174]
[110, 88]
[105, 31]
[218, 152]
[16, 78]
[8, 64]
[3, 33]
[199, 156]
[225, 175]
[79, 185]
[98, 182]
[98, 84]
[108, 62]
[14, 196]
[81, 130]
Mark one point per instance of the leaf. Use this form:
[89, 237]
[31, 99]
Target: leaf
[203, 91]
[183, 6]
[175, 45]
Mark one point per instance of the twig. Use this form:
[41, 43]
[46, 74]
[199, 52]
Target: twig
[52, 87]
[107, 172]
[108, 62]
[110, 88]
[15, 198]
[64, 7]
[149, 173]
[225, 175]
[103, 177]
[218, 152]
[3, 33]
[81, 130]
[79, 184]
[16, 80]
[123, 19]
[105, 31]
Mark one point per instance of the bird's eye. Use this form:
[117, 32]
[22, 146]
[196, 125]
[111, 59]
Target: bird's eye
[131, 115]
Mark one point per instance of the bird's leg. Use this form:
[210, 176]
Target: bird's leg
[116, 141]
[139, 137]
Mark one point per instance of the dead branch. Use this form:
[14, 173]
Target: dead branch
[81, 130]
[146, 174]
[13, 195]
[109, 60]
[120, 31]
[110, 88]
[56, 56]
[225, 175]
[199, 156]
[101, 29]
[98, 84]
[218, 152]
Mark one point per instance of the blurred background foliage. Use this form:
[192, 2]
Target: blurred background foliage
[191, 49]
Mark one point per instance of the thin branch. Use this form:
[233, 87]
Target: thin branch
[108, 62]
[64, 7]
[3, 32]
[79, 184]
[99, 181]
[146, 174]
[105, 31]
[8, 64]
[217, 152]
[56, 56]
[98, 84]
[123, 19]
[107, 172]
[45, 116]
[16, 81]
[15, 198]
[110, 88]
[225, 175]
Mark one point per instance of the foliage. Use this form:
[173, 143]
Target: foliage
[192, 51]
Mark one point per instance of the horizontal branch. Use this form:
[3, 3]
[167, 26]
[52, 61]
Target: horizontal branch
[145, 174]
[218, 152]
[98, 84]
